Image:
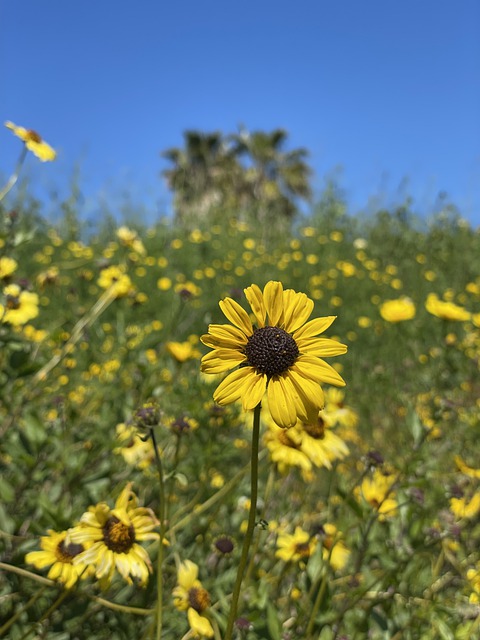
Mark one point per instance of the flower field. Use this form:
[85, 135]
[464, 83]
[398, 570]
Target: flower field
[299, 461]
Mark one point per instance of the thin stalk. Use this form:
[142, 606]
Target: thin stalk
[14, 177]
[5, 627]
[161, 517]
[316, 605]
[251, 523]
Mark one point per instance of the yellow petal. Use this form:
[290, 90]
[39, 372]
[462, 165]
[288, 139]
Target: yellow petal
[255, 300]
[322, 347]
[221, 360]
[310, 394]
[298, 308]
[313, 367]
[234, 386]
[187, 574]
[199, 624]
[281, 403]
[237, 315]
[314, 327]
[273, 296]
[255, 392]
[223, 335]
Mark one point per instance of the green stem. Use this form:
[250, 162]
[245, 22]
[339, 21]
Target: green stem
[5, 627]
[14, 177]
[316, 605]
[161, 517]
[251, 523]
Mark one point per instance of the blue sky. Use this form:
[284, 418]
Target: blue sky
[384, 94]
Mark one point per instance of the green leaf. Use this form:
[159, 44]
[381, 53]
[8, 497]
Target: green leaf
[273, 623]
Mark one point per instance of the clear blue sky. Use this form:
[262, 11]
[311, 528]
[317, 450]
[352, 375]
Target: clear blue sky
[388, 90]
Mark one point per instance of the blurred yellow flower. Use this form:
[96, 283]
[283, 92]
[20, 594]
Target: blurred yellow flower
[335, 552]
[116, 278]
[377, 492]
[19, 306]
[465, 469]
[33, 142]
[464, 508]
[445, 310]
[397, 310]
[7, 267]
[295, 547]
[182, 351]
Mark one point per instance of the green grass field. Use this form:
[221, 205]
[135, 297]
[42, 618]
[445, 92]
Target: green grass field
[367, 523]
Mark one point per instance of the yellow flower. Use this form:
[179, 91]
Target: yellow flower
[114, 535]
[182, 351]
[285, 447]
[7, 267]
[135, 451]
[335, 552]
[58, 553]
[190, 596]
[115, 277]
[464, 508]
[320, 443]
[377, 492]
[397, 310]
[33, 141]
[295, 547]
[281, 355]
[473, 577]
[445, 310]
[129, 238]
[20, 306]
[465, 469]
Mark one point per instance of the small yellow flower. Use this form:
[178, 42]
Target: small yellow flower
[33, 142]
[116, 278]
[19, 306]
[58, 553]
[182, 351]
[335, 552]
[397, 310]
[465, 469]
[377, 492]
[190, 596]
[464, 508]
[445, 310]
[114, 535]
[7, 267]
[295, 547]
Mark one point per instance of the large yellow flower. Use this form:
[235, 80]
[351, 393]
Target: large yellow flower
[114, 535]
[20, 306]
[33, 142]
[58, 553]
[281, 354]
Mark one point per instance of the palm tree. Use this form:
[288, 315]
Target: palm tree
[278, 179]
[203, 174]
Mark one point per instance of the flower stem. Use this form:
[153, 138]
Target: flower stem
[251, 523]
[161, 517]
[316, 606]
[14, 177]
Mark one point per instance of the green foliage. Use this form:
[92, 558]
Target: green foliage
[72, 374]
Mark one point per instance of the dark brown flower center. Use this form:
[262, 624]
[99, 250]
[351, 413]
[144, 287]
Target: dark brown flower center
[198, 599]
[224, 545]
[12, 302]
[118, 537]
[271, 350]
[67, 552]
[316, 430]
[302, 549]
[34, 136]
